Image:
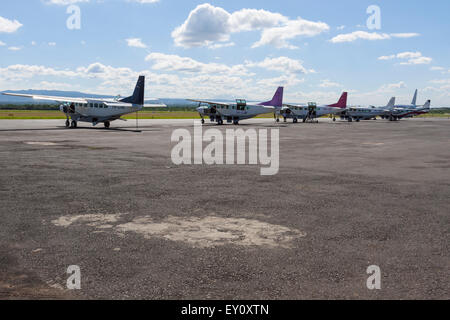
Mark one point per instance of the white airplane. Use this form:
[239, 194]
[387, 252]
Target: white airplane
[396, 114]
[234, 112]
[98, 110]
[367, 113]
[311, 111]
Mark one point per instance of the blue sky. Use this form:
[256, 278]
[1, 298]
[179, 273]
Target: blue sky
[230, 49]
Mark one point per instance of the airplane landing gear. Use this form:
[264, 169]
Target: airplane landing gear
[203, 121]
[73, 124]
[285, 119]
[295, 120]
[334, 119]
[67, 123]
[236, 122]
[107, 124]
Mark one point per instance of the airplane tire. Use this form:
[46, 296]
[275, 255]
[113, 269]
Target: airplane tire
[295, 120]
[73, 124]
[278, 120]
[67, 123]
[334, 119]
[203, 121]
[107, 124]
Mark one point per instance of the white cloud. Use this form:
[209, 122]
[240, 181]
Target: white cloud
[135, 42]
[392, 86]
[144, 1]
[167, 62]
[282, 64]
[283, 80]
[9, 26]
[350, 37]
[207, 24]
[411, 57]
[329, 84]
[2, 44]
[14, 48]
[278, 36]
[221, 45]
[52, 44]
[64, 2]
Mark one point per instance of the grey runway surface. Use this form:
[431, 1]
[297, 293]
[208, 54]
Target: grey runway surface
[347, 196]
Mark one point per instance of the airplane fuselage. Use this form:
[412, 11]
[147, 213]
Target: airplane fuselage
[301, 112]
[233, 112]
[96, 111]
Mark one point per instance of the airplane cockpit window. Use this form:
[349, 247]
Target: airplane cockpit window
[241, 104]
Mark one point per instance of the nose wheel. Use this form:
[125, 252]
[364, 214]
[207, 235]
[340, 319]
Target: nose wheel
[107, 124]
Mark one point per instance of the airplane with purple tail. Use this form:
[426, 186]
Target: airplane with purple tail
[241, 110]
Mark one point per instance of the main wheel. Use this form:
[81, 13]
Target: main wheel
[73, 124]
[203, 121]
[295, 120]
[278, 120]
[107, 124]
[67, 123]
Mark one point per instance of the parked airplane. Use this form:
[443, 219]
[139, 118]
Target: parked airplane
[234, 112]
[367, 113]
[311, 111]
[400, 113]
[98, 110]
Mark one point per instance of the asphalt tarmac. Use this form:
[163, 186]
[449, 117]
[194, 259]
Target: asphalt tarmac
[347, 196]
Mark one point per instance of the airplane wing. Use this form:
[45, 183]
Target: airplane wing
[210, 102]
[49, 98]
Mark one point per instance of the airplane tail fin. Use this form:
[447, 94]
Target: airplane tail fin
[414, 100]
[138, 95]
[277, 100]
[391, 103]
[342, 103]
[427, 105]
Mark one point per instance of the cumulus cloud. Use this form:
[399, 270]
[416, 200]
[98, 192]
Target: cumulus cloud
[278, 36]
[64, 2]
[144, 1]
[290, 80]
[207, 24]
[167, 62]
[411, 58]
[9, 26]
[135, 42]
[281, 64]
[364, 35]
[329, 84]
